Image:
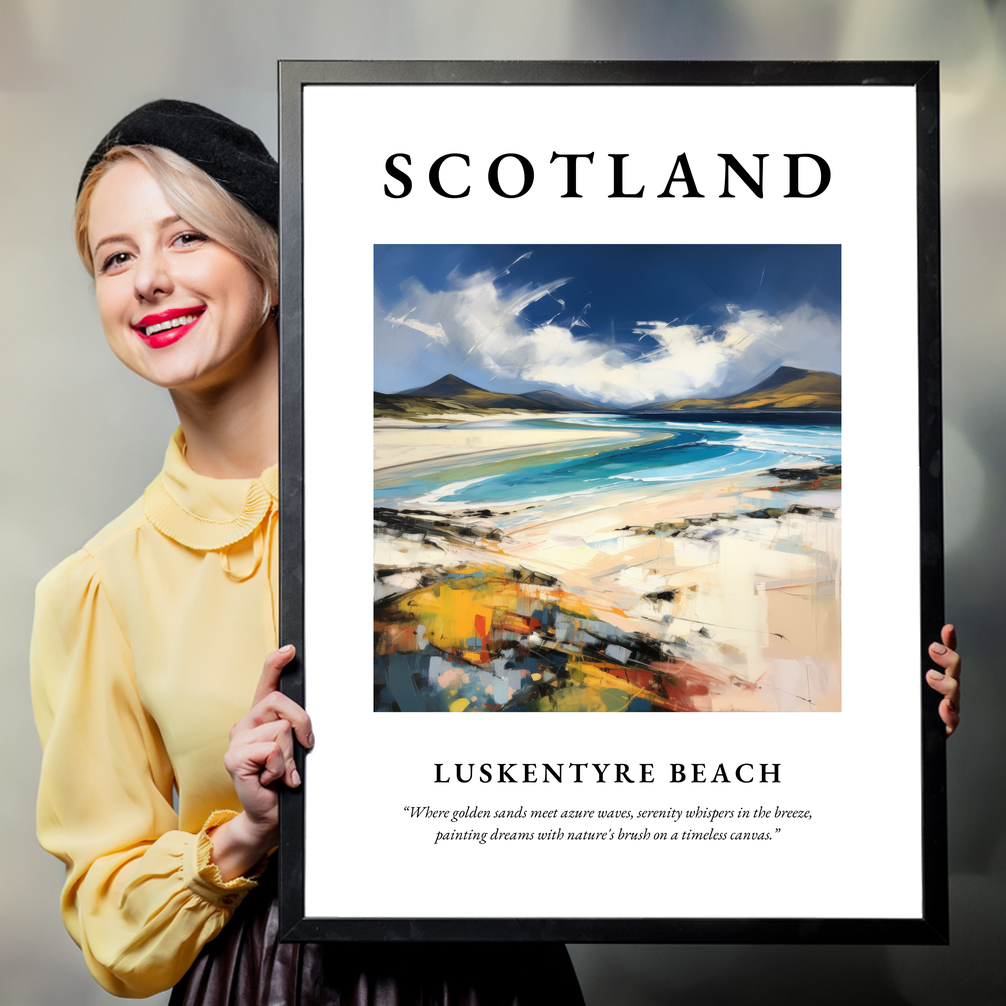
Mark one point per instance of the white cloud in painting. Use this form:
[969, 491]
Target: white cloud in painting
[435, 332]
[478, 324]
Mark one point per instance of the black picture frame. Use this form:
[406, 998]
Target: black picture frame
[931, 927]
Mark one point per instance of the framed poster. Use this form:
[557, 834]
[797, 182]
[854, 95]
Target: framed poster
[633, 371]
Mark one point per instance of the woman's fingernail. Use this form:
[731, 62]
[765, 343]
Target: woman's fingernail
[310, 740]
[938, 648]
[295, 777]
[936, 675]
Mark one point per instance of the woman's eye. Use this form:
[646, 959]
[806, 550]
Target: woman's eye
[190, 238]
[114, 261]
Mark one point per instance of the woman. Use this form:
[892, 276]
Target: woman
[149, 642]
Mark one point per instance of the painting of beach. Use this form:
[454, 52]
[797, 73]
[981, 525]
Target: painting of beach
[607, 478]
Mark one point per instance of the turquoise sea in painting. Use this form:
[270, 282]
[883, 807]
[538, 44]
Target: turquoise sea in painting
[664, 452]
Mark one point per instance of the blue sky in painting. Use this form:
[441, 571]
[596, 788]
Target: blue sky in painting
[617, 324]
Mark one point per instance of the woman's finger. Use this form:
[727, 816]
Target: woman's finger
[949, 636]
[949, 688]
[945, 685]
[273, 766]
[950, 716]
[948, 659]
[271, 671]
[261, 760]
[278, 732]
[277, 706]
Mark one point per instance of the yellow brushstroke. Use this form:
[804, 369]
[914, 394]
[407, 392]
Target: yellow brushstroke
[455, 611]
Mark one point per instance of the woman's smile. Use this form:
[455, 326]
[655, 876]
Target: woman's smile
[166, 327]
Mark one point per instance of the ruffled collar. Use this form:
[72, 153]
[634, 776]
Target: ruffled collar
[203, 513]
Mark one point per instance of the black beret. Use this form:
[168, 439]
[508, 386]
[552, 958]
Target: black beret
[231, 154]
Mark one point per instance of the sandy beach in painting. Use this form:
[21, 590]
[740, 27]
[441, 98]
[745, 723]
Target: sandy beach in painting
[583, 562]
[399, 443]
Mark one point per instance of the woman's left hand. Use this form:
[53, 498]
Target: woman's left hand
[948, 681]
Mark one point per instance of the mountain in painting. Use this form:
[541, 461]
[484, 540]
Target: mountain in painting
[448, 386]
[787, 388]
[454, 394]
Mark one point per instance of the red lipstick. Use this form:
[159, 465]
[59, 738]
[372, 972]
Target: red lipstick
[165, 333]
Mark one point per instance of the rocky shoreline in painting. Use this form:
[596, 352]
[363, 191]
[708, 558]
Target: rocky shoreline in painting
[600, 563]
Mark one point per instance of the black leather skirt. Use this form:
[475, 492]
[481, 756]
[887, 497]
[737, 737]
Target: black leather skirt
[246, 965]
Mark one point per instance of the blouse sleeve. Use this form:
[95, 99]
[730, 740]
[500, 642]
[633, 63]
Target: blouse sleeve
[141, 898]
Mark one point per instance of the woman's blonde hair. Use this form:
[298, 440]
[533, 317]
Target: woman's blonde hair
[200, 201]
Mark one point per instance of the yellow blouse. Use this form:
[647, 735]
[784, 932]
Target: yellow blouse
[147, 647]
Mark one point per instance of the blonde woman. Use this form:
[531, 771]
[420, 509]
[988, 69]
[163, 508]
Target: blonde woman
[154, 660]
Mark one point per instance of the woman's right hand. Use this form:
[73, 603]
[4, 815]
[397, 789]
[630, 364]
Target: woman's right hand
[948, 681]
[260, 753]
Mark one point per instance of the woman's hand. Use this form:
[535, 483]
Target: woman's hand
[948, 681]
[260, 753]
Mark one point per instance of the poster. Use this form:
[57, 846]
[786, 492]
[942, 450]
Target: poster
[621, 365]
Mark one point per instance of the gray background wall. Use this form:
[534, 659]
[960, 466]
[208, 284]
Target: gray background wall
[82, 436]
